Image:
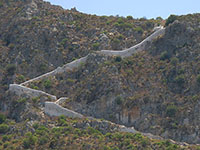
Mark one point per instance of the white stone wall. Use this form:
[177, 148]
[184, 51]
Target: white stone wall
[139, 47]
[22, 90]
[53, 109]
[70, 66]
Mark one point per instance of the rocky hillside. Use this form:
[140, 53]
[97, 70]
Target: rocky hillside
[155, 90]
[36, 37]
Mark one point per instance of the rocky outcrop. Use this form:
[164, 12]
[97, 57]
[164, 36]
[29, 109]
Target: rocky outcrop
[20, 90]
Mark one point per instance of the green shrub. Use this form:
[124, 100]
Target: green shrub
[170, 19]
[129, 17]
[22, 100]
[180, 80]
[95, 46]
[47, 84]
[118, 100]
[35, 99]
[93, 131]
[43, 140]
[11, 68]
[2, 118]
[20, 78]
[174, 61]
[1, 4]
[138, 30]
[118, 59]
[198, 79]
[164, 55]
[35, 125]
[171, 110]
[30, 140]
[63, 42]
[6, 144]
[6, 138]
[4, 128]
[62, 121]
[42, 67]
[116, 41]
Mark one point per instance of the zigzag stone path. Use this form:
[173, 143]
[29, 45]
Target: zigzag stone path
[54, 109]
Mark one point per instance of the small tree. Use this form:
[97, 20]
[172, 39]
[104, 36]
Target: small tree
[171, 110]
[4, 128]
[164, 55]
[198, 79]
[118, 59]
[11, 68]
[2, 118]
[30, 140]
[170, 19]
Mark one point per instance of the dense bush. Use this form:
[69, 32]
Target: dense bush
[4, 128]
[171, 110]
[118, 100]
[11, 68]
[95, 46]
[170, 19]
[180, 80]
[129, 17]
[138, 30]
[118, 59]
[2, 118]
[198, 79]
[164, 55]
[174, 61]
[30, 140]
[47, 84]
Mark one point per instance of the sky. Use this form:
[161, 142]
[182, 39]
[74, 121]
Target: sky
[135, 8]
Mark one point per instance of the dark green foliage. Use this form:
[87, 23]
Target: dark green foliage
[2, 118]
[62, 121]
[170, 19]
[116, 41]
[43, 140]
[4, 128]
[22, 100]
[11, 68]
[95, 46]
[138, 30]
[122, 24]
[171, 110]
[6, 138]
[20, 78]
[64, 41]
[159, 18]
[180, 80]
[35, 99]
[1, 4]
[118, 59]
[164, 55]
[42, 67]
[198, 79]
[174, 61]
[118, 100]
[30, 140]
[47, 84]
[129, 17]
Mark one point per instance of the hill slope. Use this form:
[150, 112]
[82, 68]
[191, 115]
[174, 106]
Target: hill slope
[155, 90]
